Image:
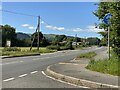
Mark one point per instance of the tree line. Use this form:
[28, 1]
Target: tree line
[58, 42]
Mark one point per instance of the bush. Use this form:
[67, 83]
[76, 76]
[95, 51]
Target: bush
[11, 49]
[87, 55]
[69, 45]
[54, 47]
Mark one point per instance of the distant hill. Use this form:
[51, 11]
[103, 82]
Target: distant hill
[49, 37]
[22, 35]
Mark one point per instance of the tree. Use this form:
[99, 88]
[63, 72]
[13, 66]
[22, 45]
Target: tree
[93, 41]
[44, 42]
[69, 45]
[8, 33]
[58, 38]
[35, 37]
[114, 9]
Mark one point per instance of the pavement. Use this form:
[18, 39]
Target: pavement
[74, 71]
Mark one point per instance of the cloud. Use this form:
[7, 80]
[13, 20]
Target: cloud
[61, 28]
[25, 25]
[87, 29]
[42, 22]
[49, 27]
[55, 28]
[77, 30]
[28, 26]
[31, 27]
[93, 29]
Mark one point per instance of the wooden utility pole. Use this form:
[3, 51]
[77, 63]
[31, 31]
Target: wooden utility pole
[109, 42]
[76, 39]
[38, 33]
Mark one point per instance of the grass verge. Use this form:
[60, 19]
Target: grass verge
[19, 51]
[87, 55]
[106, 66]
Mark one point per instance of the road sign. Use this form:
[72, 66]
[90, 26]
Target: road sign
[107, 18]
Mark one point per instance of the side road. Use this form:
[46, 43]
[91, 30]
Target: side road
[75, 72]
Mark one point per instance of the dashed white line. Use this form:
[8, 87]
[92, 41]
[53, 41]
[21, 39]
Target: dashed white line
[8, 79]
[21, 61]
[23, 75]
[11, 63]
[33, 72]
[63, 81]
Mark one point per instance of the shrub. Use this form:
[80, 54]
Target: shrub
[54, 47]
[87, 55]
[69, 45]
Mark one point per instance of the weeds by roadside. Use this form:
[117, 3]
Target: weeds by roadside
[87, 55]
[106, 66]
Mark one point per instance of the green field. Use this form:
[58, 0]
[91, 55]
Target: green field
[18, 51]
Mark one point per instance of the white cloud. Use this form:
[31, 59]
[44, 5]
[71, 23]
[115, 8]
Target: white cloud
[93, 29]
[61, 28]
[42, 22]
[87, 29]
[77, 30]
[28, 26]
[55, 28]
[25, 25]
[31, 27]
[48, 26]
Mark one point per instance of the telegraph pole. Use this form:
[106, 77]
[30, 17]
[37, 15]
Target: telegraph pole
[109, 42]
[106, 19]
[76, 39]
[38, 33]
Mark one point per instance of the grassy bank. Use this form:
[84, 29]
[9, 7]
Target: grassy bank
[87, 55]
[106, 66]
[18, 51]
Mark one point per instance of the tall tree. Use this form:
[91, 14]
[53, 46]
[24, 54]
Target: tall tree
[8, 33]
[43, 41]
[114, 9]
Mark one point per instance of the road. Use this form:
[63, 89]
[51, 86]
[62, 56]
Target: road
[26, 72]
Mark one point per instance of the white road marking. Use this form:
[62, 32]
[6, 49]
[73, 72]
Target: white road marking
[63, 81]
[12, 62]
[33, 72]
[8, 79]
[21, 61]
[23, 75]
[114, 86]
[68, 63]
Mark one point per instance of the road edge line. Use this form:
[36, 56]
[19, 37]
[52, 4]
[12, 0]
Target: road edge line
[77, 81]
[62, 81]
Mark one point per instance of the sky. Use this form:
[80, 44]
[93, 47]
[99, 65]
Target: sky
[67, 18]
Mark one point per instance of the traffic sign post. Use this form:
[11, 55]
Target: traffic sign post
[107, 18]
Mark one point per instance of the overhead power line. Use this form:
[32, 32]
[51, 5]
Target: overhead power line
[18, 13]
[24, 15]
[13, 12]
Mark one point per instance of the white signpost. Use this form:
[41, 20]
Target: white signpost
[8, 43]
